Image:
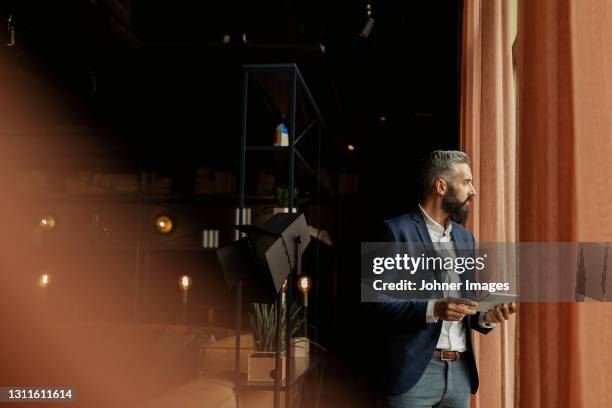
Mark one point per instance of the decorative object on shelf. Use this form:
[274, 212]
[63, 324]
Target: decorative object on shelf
[282, 195]
[163, 224]
[246, 220]
[184, 284]
[210, 238]
[263, 324]
[282, 198]
[281, 136]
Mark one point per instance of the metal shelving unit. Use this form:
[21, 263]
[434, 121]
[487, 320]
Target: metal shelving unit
[315, 125]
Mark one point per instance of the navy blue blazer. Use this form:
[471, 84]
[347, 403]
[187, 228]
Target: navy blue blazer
[403, 342]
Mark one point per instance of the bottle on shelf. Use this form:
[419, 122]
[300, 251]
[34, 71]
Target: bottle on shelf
[281, 136]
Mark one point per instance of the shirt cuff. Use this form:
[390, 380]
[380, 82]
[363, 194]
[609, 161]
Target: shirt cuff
[429, 314]
[482, 323]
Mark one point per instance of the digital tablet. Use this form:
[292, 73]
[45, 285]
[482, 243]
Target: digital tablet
[489, 301]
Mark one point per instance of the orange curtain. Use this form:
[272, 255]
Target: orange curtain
[565, 190]
[488, 136]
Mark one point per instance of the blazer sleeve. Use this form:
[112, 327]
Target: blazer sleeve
[476, 326]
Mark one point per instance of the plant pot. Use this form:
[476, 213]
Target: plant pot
[300, 347]
[262, 365]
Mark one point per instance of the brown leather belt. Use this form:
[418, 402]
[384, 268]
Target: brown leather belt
[446, 355]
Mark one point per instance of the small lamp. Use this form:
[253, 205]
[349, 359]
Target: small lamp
[304, 284]
[185, 284]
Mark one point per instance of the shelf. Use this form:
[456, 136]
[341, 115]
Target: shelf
[162, 248]
[144, 198]
[264, 148]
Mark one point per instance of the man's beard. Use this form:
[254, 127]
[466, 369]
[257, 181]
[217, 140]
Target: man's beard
[456, 209]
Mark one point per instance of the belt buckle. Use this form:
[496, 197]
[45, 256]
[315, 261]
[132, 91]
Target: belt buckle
[442, 356]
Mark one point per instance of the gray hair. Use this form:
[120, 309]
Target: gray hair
[439, 163]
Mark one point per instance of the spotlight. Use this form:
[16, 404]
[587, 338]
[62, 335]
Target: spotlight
[163, 224]
[350, 147]
[367, 28]
[369, 25]
[11, 31]
[185, 282]
[47, 222]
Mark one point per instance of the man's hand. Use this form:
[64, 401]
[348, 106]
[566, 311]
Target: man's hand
[500, 313]
[453, 309]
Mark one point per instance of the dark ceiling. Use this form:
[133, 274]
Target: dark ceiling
[142, 71]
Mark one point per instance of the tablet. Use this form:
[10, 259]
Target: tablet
[491, 300]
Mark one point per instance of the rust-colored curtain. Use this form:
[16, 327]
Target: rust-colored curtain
[488, 135]
[565, 190]
[557, 168]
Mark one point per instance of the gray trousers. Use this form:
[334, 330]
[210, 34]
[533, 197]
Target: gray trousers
[444, 384]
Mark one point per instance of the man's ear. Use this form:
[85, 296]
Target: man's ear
[440, 186]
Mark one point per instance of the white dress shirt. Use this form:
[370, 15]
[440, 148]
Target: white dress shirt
[452, 336]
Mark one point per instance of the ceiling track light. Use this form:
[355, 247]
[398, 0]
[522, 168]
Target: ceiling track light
[11, 30]
[369, 25]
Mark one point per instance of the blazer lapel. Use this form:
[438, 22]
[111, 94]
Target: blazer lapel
[423, 232]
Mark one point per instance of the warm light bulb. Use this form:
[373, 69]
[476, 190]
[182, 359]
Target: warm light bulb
[163, 224]
[304, 284]
[350, 147]
[47, 222]
[185, 282]
[43, 281]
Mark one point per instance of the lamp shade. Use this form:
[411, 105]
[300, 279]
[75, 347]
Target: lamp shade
[266, 256]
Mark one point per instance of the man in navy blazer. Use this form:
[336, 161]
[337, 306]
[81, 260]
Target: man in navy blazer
[424, 355]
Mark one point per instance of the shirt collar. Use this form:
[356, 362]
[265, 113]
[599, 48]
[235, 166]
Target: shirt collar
[433, 225]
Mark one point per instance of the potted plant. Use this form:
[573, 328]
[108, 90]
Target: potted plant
[262, 360]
